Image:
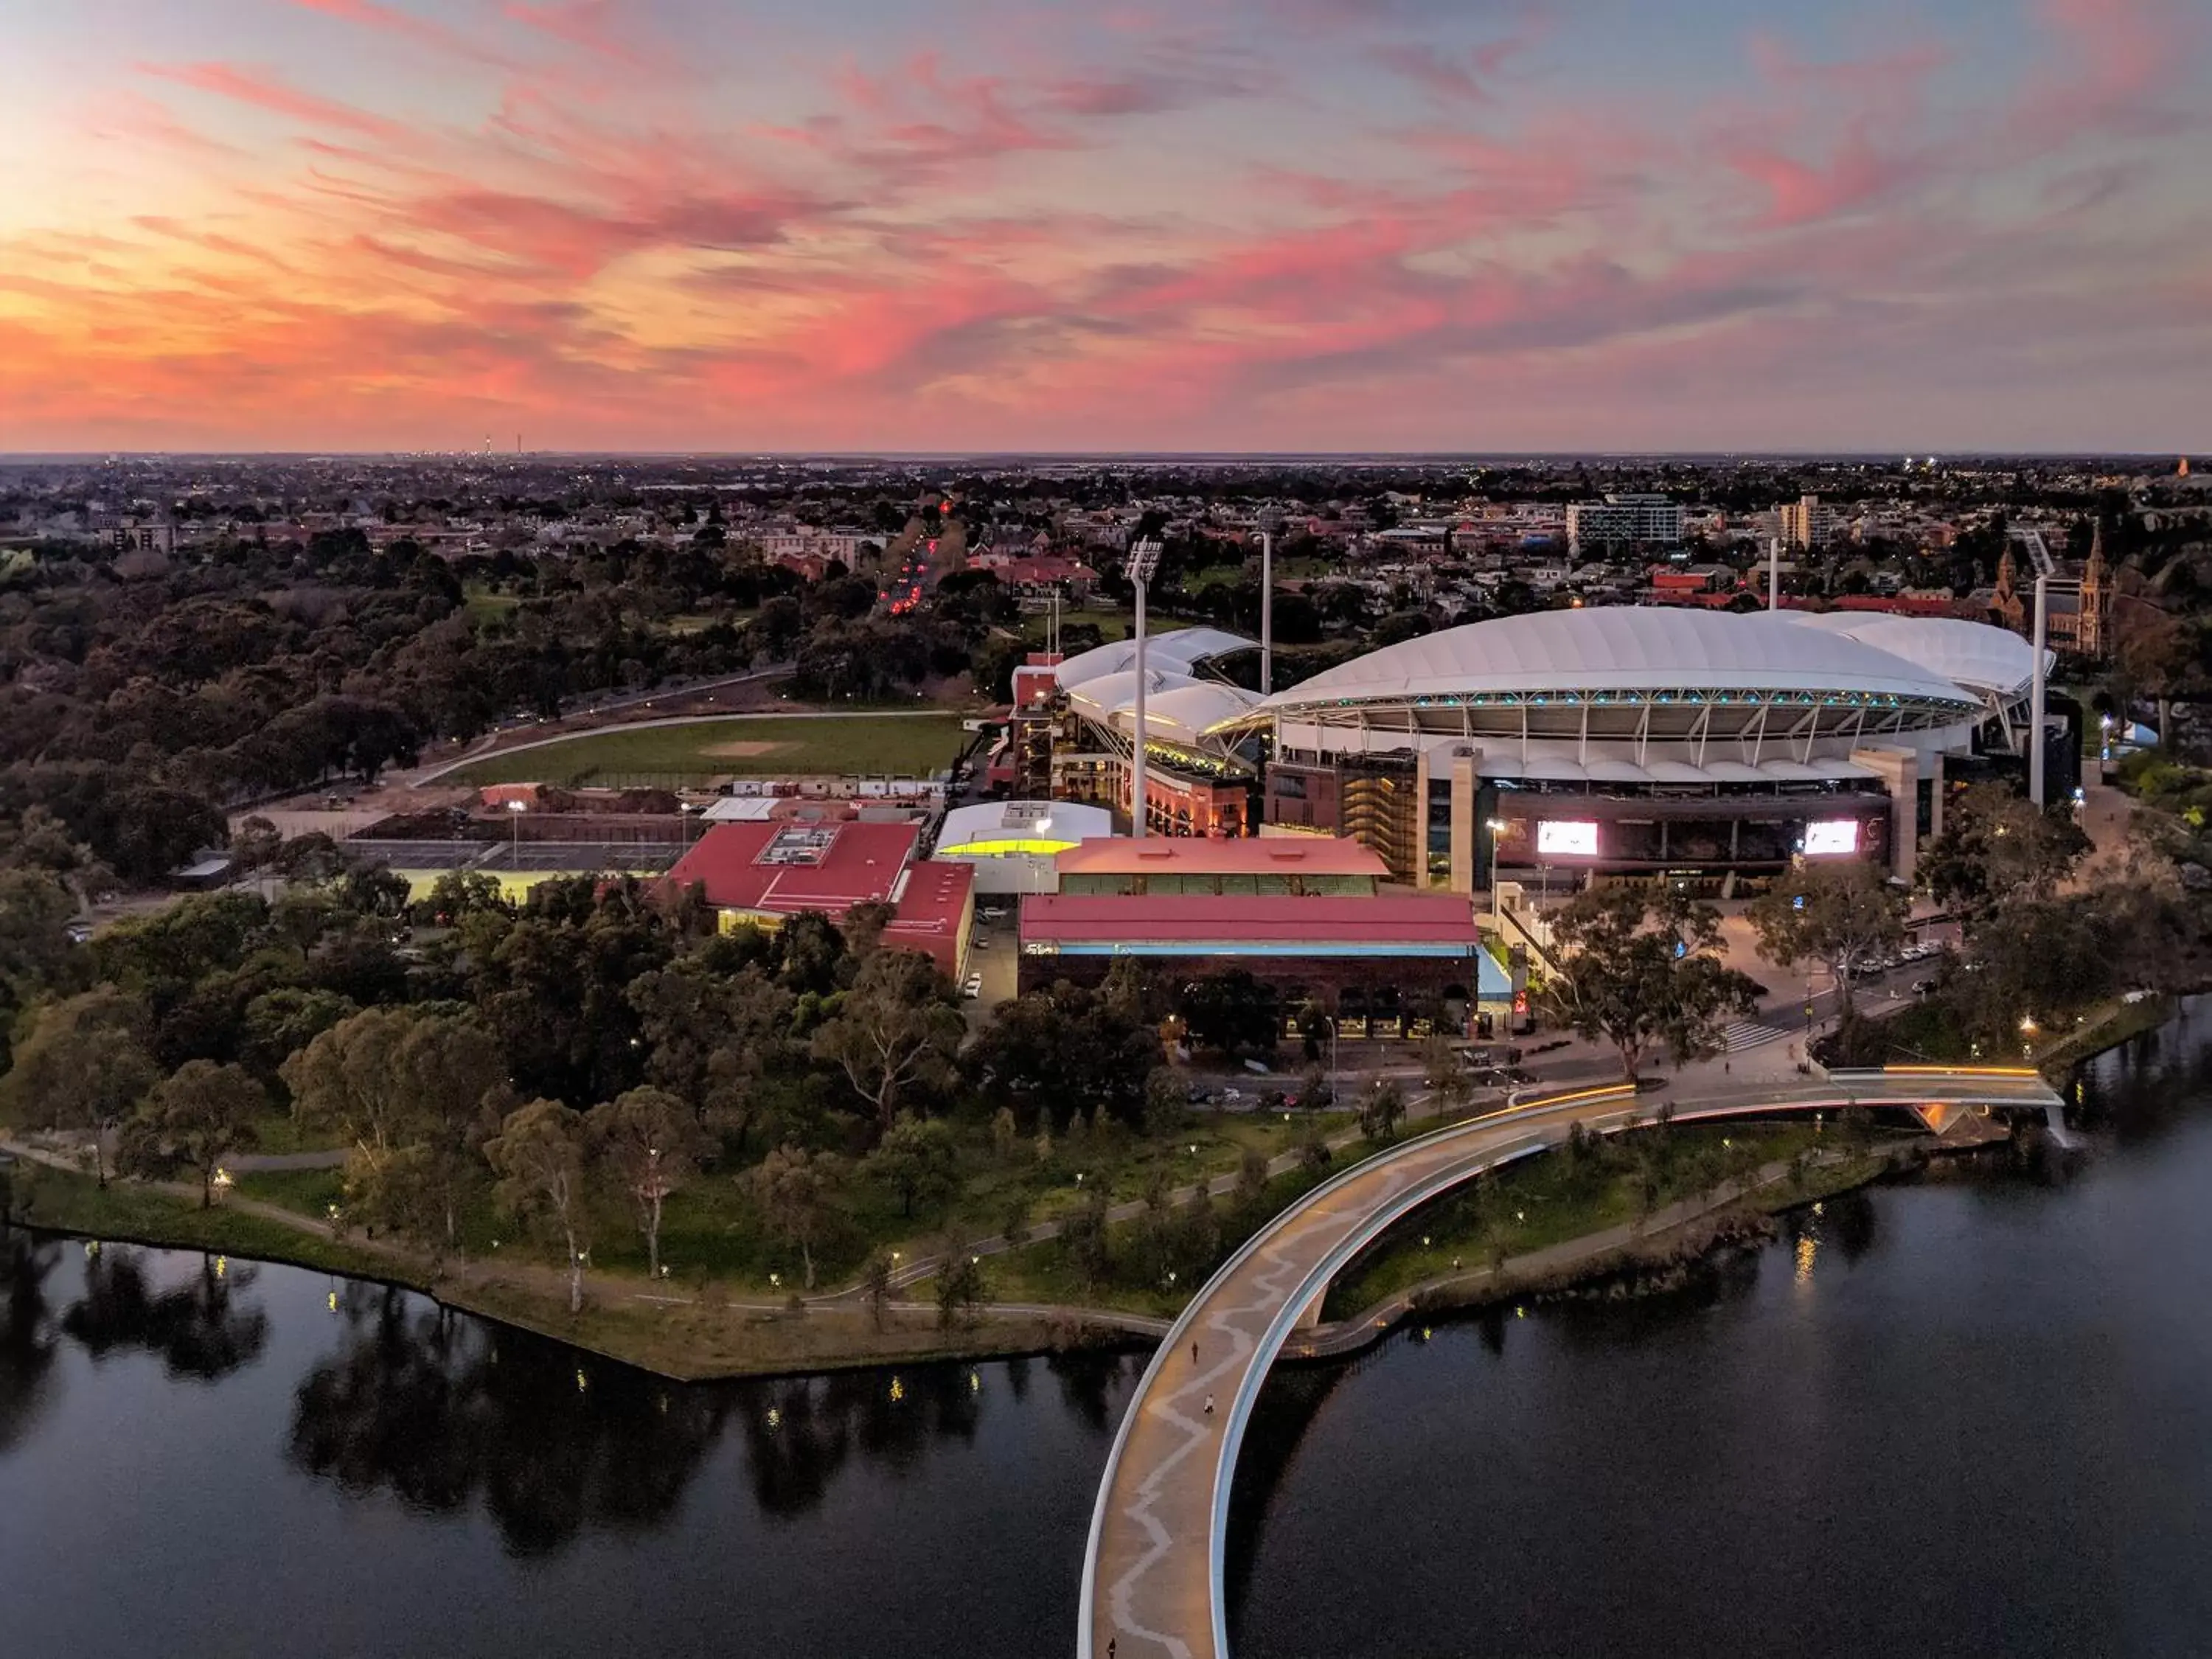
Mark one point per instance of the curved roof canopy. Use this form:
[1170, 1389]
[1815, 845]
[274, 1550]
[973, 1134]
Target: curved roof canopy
[1176, 653]
[1107, 695]
[999, 829]
[1976, 655]
[1179, 710]
[1630, 655]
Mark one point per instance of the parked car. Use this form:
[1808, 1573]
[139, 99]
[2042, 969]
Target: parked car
[974, 988]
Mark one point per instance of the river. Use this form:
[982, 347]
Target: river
[1972, 1413]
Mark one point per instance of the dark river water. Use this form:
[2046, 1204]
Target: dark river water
[1970, 1415]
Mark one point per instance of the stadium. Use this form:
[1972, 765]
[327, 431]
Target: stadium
[1629, 741]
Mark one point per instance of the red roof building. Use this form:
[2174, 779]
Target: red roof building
[1384, 949]
[1280, 864]
[760, 873]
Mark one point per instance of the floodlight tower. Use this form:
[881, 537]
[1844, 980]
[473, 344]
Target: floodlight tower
[1271, 526]
[2035, 702]
[1144, 560]
[1774, 573]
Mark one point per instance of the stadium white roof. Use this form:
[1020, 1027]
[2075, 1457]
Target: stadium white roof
[1633, 651]
[1176, 653]
[1976, 655]
[1178, 709]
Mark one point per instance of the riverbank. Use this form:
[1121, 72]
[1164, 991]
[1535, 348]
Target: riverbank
[705, 1331]
[1650, 1253]
[688, 1338]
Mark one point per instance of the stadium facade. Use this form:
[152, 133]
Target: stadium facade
[1625, 741]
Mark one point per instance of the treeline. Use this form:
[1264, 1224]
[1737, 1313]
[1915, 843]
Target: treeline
[136, 709]
[598, 1048]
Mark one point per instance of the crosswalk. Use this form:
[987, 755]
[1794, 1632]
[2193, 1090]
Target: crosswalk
[1744, 1034]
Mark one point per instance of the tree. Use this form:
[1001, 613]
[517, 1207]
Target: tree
[1066, 1049]
[959, 1280]
[456, 1081]
[1843, 916]
[895, 1030]
[1997, 845]
[1233, 1012]
[193, 1120]
[1642, 970]
[542, 1156]
[793, 1188]
[1443, 1072]
[1382, 1107]
[349, 1080]
[649, 1144]
[1084, 1237]
[82, 1067]
[711, 1037]
[876, 1287]
[915, 1159]
[1167, 1100]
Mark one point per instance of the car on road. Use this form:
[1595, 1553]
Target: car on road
[974, 988]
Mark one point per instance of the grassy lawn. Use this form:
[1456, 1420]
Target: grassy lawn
[744, 745]
[692, 622]
[279, 1133]
[1133, 1282]
[711, 1232]
[1559, 1197]
[71, 1203]
[1112, 625]
[309, 1191]
[484, 606]
[701, 1339]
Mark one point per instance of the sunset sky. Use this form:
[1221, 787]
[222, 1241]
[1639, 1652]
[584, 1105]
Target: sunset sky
[1025, 224]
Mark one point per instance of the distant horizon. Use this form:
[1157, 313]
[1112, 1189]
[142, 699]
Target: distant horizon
[1436, 457]
[1251, 227]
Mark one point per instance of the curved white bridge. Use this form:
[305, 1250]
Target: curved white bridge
[1152, 1572]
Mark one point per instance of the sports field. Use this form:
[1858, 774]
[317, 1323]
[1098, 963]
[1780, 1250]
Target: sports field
[764, 745]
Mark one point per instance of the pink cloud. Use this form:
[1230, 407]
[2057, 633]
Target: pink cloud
[1855, 176]
[264, 90]
[2118, 60]
[591, 26]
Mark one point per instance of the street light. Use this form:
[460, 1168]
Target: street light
[1497, 828]
[1144, 563]
[515, 811]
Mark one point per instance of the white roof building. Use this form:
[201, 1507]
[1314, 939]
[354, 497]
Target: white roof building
[1627, 683]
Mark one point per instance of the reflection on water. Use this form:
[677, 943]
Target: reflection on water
[274, 1411]
[198, 1325]
[1967, 1414]
[1964, 1414]
[30, 1335]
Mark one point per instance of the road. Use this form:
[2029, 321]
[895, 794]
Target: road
[1152, 1571]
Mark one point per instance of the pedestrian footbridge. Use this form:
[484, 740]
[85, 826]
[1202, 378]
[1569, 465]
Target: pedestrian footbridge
[1152, 1570]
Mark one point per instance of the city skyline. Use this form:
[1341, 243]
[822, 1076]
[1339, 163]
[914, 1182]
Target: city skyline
[1313, 226]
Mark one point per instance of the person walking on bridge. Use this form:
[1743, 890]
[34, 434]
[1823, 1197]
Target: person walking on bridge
[1209, 1404]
